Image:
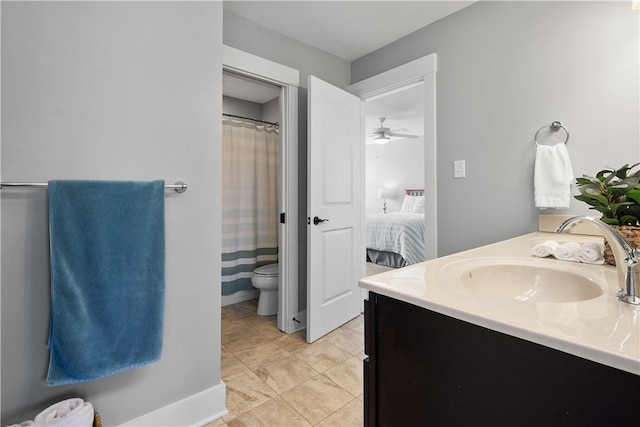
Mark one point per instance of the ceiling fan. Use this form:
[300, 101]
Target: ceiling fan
[382, 134]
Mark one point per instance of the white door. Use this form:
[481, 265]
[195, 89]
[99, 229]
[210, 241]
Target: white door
[335, 256]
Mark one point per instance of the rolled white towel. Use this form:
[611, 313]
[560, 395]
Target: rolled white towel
[567, 251]
[590, 253]
[68, 413]
[23, 424]
[544, 249]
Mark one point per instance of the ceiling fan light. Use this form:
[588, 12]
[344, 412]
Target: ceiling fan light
[381, 139]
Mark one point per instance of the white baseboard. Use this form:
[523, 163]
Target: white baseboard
[196, 410]
[240, 296]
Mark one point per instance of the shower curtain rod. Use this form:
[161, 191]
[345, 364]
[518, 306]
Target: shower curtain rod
[276, 124]
[179, 187]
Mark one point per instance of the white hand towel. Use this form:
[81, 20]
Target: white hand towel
[567, 251]
[544, 249]
[590, 253]
[553, 176]
[68, 413]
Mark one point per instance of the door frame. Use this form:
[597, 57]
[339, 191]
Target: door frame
[388, 81]
[288, 79]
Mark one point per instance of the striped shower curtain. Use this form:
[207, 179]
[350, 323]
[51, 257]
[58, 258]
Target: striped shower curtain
[249, 201]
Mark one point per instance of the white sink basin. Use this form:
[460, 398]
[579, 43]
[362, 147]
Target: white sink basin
[526, 281]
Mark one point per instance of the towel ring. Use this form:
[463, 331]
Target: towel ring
[555, 126]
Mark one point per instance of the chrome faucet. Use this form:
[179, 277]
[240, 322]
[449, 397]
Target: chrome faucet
[627, 258]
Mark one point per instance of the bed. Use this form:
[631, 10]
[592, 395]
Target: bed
[397, 239]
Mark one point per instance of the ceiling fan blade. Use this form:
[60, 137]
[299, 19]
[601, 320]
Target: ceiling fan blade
[403, 135]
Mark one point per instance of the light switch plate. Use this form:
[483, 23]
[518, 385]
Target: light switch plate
[459, 169]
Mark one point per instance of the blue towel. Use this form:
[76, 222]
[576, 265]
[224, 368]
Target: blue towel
[107, 277]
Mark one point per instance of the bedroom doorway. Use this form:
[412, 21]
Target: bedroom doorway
[394, 172]
[414, 78]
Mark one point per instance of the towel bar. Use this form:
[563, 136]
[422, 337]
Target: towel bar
[178, 187]
[555, 126]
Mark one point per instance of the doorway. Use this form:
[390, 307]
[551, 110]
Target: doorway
[394, 165]
[412, 73]
[420, 71]
[259, 74]
[251, 183]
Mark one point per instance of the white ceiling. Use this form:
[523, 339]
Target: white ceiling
[346, 29]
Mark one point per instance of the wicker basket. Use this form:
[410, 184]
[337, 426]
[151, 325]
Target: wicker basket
[631, 233]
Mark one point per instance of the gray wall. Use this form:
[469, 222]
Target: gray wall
[112, 90]
[505, 69]
[253, 38]
[240, 107]
[271, 111]
[250, 37]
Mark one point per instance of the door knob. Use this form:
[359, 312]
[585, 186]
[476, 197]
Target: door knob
[317, 220]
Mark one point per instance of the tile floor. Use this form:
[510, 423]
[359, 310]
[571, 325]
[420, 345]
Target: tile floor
[277, 379]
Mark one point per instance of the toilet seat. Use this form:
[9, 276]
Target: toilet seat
[268, 270]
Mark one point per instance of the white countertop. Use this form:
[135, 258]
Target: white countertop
[601, 329]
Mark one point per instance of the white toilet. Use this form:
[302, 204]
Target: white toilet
[265, 279]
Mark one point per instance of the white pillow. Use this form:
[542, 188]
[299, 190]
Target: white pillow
[418, 205]
[412, 204]
[406, 204]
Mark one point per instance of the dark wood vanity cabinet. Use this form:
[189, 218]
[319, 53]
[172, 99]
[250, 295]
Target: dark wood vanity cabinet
[427, 369]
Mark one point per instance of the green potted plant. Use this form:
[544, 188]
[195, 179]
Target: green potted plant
[615, 193]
